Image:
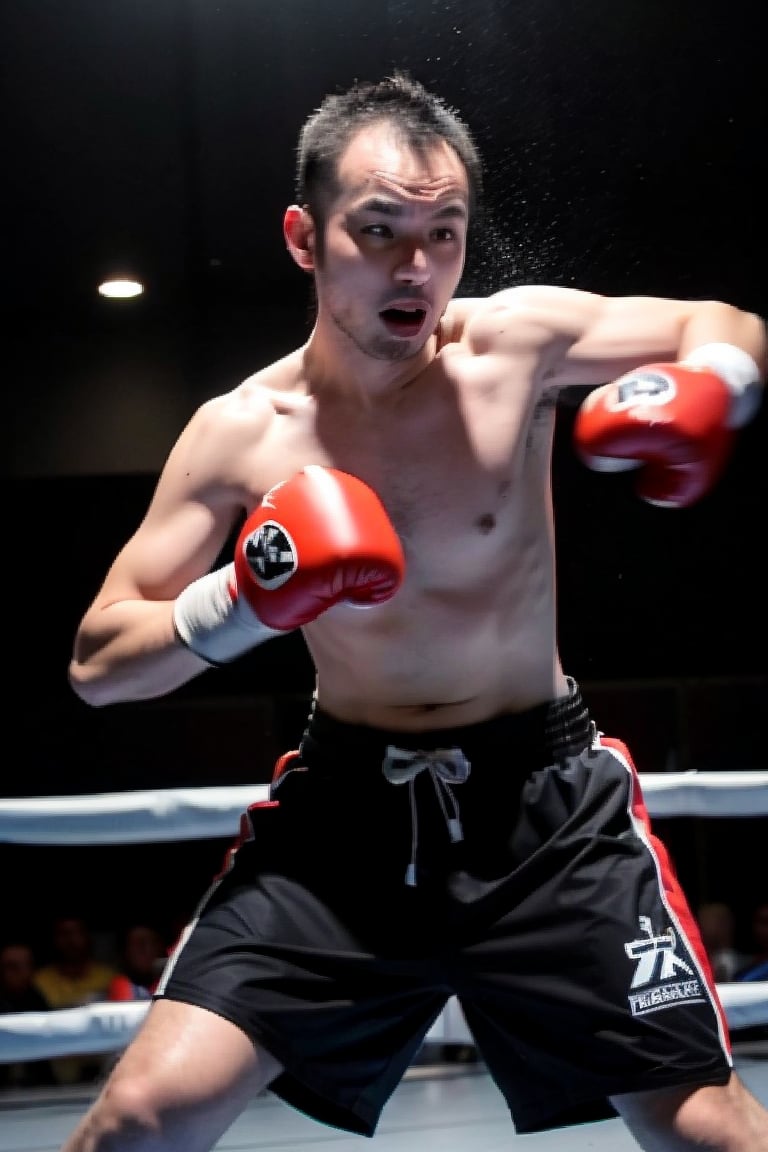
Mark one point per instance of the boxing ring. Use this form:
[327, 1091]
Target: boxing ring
[451, 1106]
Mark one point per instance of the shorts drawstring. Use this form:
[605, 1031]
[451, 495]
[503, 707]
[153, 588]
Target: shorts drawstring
[446, 767]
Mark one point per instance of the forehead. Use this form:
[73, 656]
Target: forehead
[378, 159]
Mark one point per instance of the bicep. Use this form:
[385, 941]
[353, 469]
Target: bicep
[193, 510]
[175, 543]
[581, 338]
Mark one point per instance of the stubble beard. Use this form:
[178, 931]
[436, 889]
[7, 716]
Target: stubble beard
[379, 346]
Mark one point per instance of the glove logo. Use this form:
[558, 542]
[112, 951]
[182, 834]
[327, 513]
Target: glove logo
[643, 388]
[271, 555]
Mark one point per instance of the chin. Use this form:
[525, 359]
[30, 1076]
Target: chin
[397, 350]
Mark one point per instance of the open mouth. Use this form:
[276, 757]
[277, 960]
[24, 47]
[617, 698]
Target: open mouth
[404, 321]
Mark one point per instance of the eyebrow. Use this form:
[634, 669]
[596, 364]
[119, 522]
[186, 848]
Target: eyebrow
[394, 208]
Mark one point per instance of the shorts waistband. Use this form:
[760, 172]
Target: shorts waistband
[546, 733]
[540, 736]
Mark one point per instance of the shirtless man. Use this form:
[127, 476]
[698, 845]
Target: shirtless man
[400, 462]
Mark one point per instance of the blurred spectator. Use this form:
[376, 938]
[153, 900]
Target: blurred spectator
[718, 933]
[143, 955]
[757, 966]
[74, 977]
[19, 994]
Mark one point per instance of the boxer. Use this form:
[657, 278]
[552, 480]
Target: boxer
[456, 824]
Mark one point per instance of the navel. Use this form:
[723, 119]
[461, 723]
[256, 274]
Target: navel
[486, 523]
[429, 706]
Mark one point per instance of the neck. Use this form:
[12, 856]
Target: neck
[333, 364]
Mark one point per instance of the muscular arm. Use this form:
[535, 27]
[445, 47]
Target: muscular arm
[581, 338]
[126, 647]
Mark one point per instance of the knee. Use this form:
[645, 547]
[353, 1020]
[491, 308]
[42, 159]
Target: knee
[725, 1118]
[125, 1115]
[728, 1117]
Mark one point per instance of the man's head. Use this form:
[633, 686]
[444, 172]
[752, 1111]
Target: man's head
[72, 941]
[419, 118]
[387, 178]
[717, 925]
[17, 968]
[760, 929]
[143, 951]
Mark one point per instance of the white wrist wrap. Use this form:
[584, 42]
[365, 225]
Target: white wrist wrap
[212, 624]
[738, 371]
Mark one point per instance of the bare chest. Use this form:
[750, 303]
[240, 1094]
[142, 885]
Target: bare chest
[456, 464]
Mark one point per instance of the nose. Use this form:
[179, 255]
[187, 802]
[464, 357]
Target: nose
[413, 266]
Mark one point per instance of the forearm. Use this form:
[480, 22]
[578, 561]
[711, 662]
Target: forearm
[713, 322]
[130, 651]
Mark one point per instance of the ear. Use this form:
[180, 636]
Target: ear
[299, 233]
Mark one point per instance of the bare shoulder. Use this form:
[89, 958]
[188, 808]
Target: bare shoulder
[523, 333]
[223, 434]
[525, 317]
[245, 410]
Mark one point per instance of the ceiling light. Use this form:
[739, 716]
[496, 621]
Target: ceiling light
[120, 289]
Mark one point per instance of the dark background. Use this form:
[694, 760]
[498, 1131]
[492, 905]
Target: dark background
[624, 145]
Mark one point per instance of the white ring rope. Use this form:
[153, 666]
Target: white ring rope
[99, 1028]
[90, 1030]
[199, 813]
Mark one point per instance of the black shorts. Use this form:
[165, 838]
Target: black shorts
[518, 874]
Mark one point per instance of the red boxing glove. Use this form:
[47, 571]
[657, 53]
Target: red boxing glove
[317, 539]
[674, 421]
